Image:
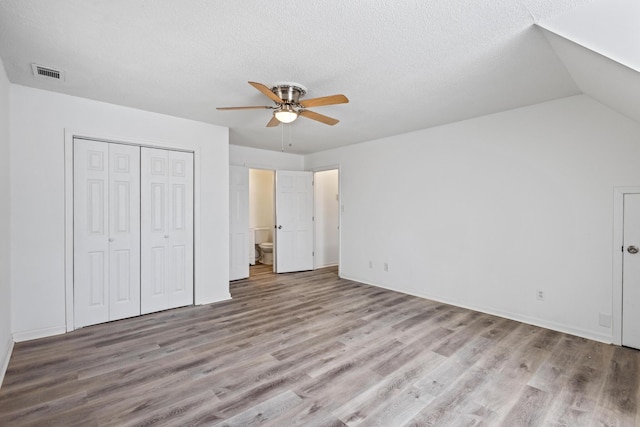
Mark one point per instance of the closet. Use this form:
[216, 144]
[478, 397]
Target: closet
[133, 230]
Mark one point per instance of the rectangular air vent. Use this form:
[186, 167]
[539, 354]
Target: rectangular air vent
[47, 72]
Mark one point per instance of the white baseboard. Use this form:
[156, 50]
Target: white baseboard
[592, 335]
[39, 333]
[212, 300]
[5, 360]
[325, 266]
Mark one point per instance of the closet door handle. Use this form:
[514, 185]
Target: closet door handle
[111, 239]
[166, 236]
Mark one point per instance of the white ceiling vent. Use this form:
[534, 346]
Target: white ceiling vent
[43, 72]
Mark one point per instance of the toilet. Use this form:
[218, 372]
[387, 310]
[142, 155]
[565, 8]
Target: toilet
[266, 253]
[263, 244]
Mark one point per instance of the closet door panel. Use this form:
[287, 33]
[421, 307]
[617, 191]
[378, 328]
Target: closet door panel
[90, 233]
[124, 235]
[180, 229]
[154, 230]
[167, 229]
[158, 272]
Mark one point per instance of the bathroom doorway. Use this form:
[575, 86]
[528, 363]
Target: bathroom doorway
[261, 217]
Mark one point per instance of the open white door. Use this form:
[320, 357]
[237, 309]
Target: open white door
[294, 221]
[238, 222]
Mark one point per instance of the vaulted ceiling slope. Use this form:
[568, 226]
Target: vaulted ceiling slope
[404, 65]
[600, 46]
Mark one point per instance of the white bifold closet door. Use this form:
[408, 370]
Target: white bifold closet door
[166, 229]
[106, 232]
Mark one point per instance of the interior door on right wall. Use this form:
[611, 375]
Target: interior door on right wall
[631, 272]
[294, 221]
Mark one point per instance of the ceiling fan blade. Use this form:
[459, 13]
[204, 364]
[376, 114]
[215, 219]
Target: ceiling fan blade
[273, 122]
[318, 117]
[254, 107]
[325, 100]
[265, 90]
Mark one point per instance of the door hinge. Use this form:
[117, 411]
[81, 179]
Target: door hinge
[313, 218]
[313, 254]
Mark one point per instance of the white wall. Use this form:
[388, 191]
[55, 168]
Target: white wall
[6, 340]
[484, 212]
[261, 197]
[327, 218]
[264, 159]
[38, 122]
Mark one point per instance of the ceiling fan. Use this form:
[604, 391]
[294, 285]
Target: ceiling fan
[289, 106]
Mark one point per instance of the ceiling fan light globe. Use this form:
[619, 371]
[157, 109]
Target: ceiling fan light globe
[285, 116]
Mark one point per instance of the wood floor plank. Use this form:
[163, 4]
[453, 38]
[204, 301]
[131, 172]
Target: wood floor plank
[264, 411]
[311, 349]
[621, 394]
[526, 411]
[355, 411]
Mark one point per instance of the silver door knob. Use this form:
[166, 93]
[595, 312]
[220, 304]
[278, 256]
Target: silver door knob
[632, 249]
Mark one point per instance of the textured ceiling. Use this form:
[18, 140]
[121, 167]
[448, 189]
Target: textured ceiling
[404, 64]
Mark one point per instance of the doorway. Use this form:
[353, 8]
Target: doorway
[261, 217]
[279, 208]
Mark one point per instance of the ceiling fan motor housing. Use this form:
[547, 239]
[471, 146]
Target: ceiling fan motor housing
[290, 93]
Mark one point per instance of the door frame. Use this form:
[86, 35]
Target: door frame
[69, 135]
[618, 241]
[340, 210]
[341, 206]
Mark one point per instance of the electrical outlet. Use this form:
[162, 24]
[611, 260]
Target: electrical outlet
[370, 264]
[386, 266]
[540, 295]
[605, 320]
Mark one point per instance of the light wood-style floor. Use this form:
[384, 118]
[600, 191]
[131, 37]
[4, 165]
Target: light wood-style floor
[310, 349]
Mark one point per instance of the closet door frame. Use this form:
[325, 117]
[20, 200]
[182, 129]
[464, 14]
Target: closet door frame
[69, 135]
